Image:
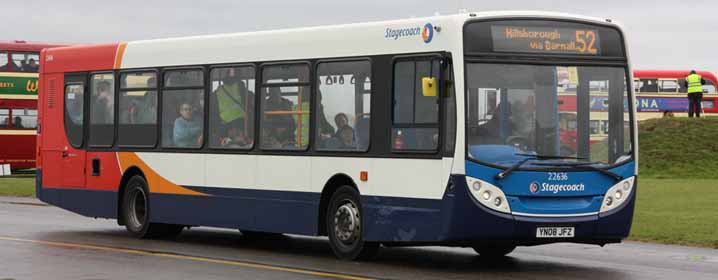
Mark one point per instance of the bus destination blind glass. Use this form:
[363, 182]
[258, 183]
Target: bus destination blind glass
[530, 39]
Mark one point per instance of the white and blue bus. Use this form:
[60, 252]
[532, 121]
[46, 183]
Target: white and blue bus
[429, 131]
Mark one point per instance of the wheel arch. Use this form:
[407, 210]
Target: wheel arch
[129, 173]
[331, 186]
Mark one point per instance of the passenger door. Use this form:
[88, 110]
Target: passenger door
[72, 155]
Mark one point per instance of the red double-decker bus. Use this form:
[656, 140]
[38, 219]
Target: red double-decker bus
[19, 68]
[664, 91]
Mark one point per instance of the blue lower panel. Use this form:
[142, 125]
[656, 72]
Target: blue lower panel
[269, 211]
[90, 203]
[401, 219]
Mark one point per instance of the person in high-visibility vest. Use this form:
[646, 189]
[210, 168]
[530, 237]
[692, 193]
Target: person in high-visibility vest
[231, 97]
[694, 83]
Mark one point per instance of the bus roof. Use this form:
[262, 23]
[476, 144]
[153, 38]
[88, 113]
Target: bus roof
[24, 46]
[333, 41]
[675, 74]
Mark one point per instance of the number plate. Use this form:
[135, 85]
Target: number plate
[554, 232]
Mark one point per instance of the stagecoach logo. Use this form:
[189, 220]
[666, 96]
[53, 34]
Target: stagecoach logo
[534, 187]
[426, 33]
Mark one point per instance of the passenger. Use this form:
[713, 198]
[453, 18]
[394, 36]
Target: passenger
[341, 120]
[346, 138]
[5, 122]
[17, 122]
[31, 66]
[103, 110]
[141, 110]
[231, 96]
[235, 139]
[280, 128]
[187, 129]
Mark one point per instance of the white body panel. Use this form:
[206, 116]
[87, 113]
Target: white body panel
[412, 178]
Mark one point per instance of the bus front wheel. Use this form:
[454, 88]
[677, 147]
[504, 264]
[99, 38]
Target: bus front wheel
[345, 226]
[136, 212]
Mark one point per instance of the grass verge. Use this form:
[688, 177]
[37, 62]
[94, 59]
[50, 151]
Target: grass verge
[18, 185]
[677, 211]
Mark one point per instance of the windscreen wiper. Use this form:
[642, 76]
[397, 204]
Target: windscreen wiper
[513, 168]
[586, 165]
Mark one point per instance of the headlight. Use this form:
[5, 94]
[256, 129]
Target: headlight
[618, 194]
[488, 195]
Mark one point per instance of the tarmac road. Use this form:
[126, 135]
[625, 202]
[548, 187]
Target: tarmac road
[44, 242]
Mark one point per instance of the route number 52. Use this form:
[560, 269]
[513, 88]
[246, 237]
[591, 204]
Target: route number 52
[586, 40]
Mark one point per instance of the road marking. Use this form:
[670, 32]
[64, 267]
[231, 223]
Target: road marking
[186, 257]
[24, 203]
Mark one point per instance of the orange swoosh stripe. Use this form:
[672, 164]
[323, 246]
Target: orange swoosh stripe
[157, 183]
[120, 53]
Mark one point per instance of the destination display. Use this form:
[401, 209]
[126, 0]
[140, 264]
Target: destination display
[543, 38]
[517, 38]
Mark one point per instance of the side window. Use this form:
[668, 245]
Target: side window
[231, 107]
[4, 66]
[709, 87]
[183, 108]
[649, 85]
[26, 62]
[74, 113]
[449, 112]
[102, 110]
[24, 118]
[4, 118]
[343, 106]
[285, 107]
[668, 86]
[138, 109]
[416, 115]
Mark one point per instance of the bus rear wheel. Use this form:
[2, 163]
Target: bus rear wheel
[345, 226]
[494, 250]
[136, 212]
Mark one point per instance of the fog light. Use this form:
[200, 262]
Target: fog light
[609, 201]
[497, 201]
[618, 195]
[486, 195]
[477, 186]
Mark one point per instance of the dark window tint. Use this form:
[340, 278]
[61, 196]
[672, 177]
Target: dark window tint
[285, 107]
[138, 80]
[25, 62]
[138, 110]
[450, 113]
[184, 78]
[4, 65]
[74, 112]
[102, 110]
[343, 106]
[4, 118]
[415, 115]
[231, 108]
[182, 118]
[24, 118]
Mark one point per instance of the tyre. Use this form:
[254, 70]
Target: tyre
[136, 212]
[494, 250]
[345, 226]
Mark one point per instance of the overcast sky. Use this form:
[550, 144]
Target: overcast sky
[662, 34]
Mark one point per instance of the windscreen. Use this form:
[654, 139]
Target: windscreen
[516, 111]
